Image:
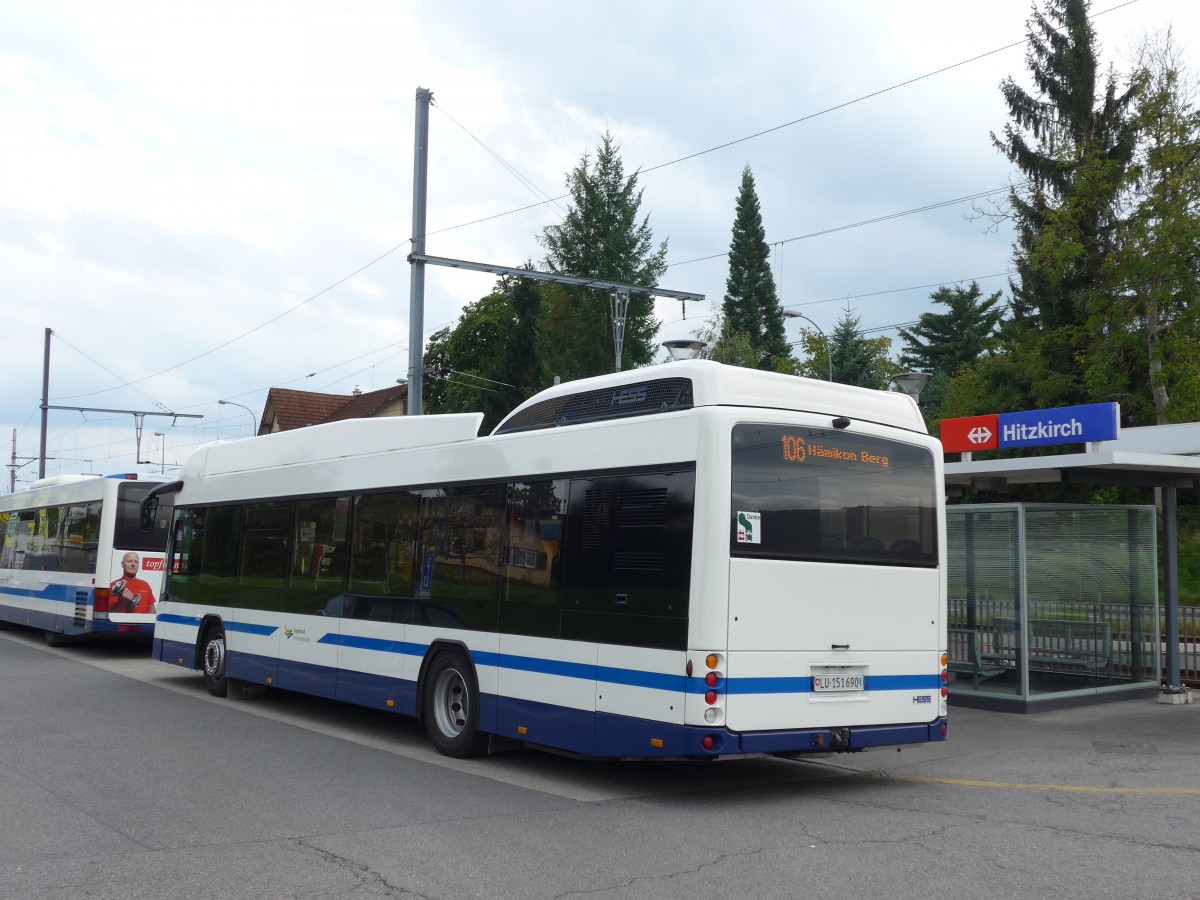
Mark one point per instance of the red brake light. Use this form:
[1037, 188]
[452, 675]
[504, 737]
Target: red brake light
[711, 679]
[100, 601]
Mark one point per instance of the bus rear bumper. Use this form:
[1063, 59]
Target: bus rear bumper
[824, 740]
[620, 736]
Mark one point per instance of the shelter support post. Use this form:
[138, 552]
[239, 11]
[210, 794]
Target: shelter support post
[1173, 690]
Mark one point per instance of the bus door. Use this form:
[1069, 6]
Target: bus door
[310, 637]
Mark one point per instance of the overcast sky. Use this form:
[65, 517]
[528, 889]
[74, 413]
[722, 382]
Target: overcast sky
[187, 190]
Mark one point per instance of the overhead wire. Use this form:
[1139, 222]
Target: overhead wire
[550, 200]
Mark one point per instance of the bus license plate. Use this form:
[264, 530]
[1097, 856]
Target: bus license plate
[829, 682]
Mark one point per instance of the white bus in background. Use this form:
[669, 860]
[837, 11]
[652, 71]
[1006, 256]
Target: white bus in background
[690, 560]
[75, 560]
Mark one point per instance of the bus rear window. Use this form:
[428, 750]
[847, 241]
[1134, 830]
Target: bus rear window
[128, 534]
[831, 496]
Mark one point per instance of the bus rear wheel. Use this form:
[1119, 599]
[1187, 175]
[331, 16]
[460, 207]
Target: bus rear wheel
[451, 707]
[212, 657]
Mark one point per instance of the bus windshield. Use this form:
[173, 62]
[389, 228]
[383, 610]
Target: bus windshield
[831, 496]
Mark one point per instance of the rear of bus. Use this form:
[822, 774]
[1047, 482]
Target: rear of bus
[129, 574]
[75, 561]
[821, 618]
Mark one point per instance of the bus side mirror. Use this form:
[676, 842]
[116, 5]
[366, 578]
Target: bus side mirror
[149, 514]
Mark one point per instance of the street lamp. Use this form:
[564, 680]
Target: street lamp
[792, 314]
[683, 348]
[912, 383]
[247, 409]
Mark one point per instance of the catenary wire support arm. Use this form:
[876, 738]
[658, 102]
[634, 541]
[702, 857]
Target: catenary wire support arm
[618, 295]
[139, 416]
[535, 275]
[618, 304]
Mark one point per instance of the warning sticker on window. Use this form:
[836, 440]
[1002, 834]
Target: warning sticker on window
[749, 528]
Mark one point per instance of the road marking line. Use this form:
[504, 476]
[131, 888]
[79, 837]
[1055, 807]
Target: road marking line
[1018, 786]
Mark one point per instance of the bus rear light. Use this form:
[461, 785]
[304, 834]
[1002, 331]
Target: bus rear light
[711, 714]
[710, 697]
[713, 660]
[100, 600]
[708, 742]
[945, 692]
[711, 679]
[945, 676]
[945, 659]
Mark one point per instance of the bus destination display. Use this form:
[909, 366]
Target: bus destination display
[797, 449]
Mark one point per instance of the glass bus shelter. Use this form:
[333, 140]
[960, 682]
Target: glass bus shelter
[1051, 602]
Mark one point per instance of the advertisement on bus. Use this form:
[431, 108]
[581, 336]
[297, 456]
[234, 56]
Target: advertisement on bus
[135, 581]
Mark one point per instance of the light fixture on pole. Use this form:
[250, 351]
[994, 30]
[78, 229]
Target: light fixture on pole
[792, 314]
[253, 418]
[912, 383]
[683, 348]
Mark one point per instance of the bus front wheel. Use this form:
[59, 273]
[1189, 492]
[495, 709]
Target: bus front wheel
[451, 707]
[213, 661]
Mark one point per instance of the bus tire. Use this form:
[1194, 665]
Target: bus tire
[212, 661]
[451, 706]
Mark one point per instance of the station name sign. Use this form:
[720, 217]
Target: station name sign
[1035, 428]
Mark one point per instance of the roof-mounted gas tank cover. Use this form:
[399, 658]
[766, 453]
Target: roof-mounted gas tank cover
[619, 401]
[679, 386]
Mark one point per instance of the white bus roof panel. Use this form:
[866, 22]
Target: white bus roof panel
[334, 440]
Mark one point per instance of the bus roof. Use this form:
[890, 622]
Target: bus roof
[691, 383]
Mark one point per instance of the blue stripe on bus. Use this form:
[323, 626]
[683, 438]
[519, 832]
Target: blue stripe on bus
[173, 619]
[589, 672]
[59, 593]
[251, 628]
[585, 671]
[803, 684]
[378, 644]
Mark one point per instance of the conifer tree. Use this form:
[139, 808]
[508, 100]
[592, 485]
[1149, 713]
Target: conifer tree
[858, 359]
[601, 237]
[942, 343]
[751, 306]
[1073, 150]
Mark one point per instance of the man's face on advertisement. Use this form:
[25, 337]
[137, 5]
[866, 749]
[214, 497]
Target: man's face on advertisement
[129, 564]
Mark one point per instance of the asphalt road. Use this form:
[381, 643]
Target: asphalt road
[121, 778]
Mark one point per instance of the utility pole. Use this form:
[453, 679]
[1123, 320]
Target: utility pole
[416, 286]
[45, 405]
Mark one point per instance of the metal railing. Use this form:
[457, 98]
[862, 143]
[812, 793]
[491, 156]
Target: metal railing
[1134, 629]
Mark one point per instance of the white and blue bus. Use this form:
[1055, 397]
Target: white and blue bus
[690, 560]
[75, 560]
